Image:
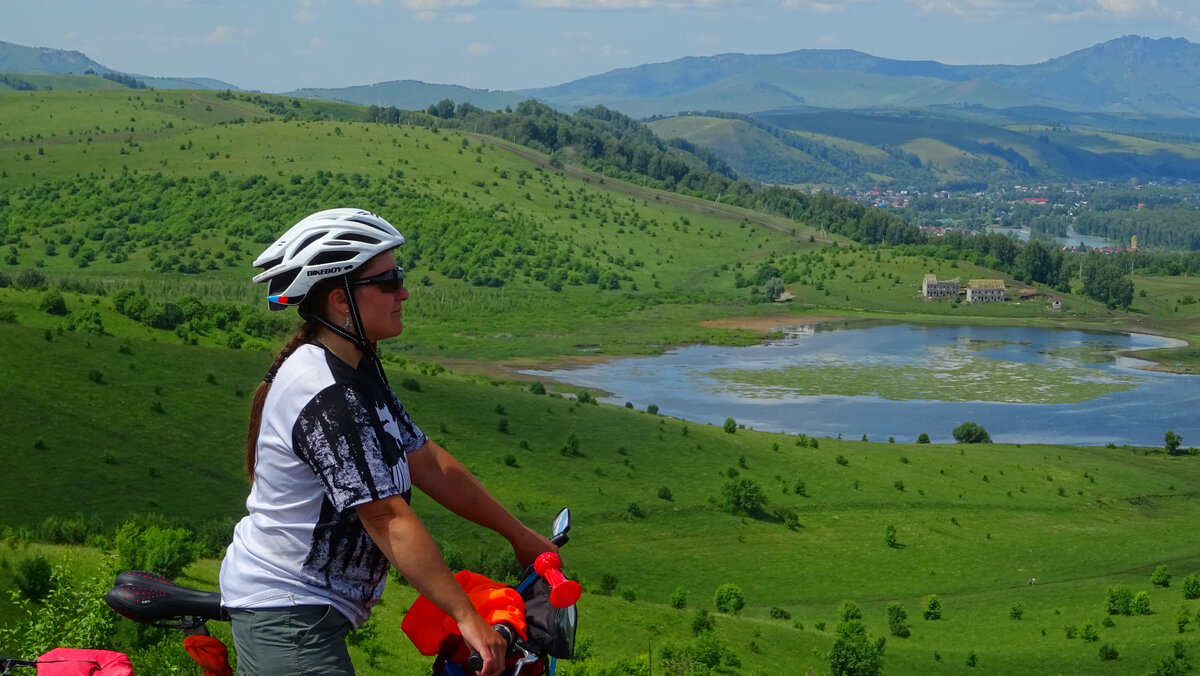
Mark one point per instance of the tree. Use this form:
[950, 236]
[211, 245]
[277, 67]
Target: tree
[853, 652]
[742, 496]
[729, 599]
[730, 426]
[1161, 577]
[1140, 604]
[896, 615]
[1191, 587]
[923, 438]
[1171, 442]
[933, 608]
[1118, 600]
[52, 302]
[889, 535]
[971, 433]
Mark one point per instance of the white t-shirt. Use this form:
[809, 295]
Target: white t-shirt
[332, 437]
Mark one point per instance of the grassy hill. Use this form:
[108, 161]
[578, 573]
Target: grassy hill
[164, 197]
[974, 523]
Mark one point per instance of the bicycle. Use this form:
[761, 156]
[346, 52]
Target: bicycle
[547, 601]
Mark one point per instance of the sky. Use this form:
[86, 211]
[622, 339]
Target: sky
[277, 46]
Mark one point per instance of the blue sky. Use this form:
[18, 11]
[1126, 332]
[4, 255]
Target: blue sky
[280, 45]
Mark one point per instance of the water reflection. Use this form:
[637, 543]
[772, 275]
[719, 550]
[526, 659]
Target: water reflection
[858, 378]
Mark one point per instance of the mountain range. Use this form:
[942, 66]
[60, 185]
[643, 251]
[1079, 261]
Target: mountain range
[1130, 75]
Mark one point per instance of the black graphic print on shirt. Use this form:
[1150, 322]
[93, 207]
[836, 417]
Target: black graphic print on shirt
[356, 450]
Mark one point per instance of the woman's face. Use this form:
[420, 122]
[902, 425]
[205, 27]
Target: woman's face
[378, 307]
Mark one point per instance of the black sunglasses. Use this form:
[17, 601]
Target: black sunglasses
[390, 281]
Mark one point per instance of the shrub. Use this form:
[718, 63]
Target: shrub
[679, 598]
[159, 550]
[34, 578]
[889, 535]
[411, 384]
[1107, 652]
[652, 409]
[1191, 587]
[702, 622]
[53, 303]
[1161, 577]
[742, 496]
[1088, 633]
[729, 599]
[1017, 611]
[730, 426]
[510, 460]
[923, 438]
[971, 433]
[841, 460]
[896, 615]
[1140, 604]
[537, 387]
[635, 511]
[779, 614]
[608, 583]
[1118, 600]
[665, 493]
[933, 608]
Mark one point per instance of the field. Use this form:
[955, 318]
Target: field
[125, 203]
[974, 523]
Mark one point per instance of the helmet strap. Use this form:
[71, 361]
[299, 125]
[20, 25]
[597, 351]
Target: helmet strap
[360, 341]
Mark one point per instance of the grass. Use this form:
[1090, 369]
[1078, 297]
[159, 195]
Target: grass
[974, 522]
[135, 421]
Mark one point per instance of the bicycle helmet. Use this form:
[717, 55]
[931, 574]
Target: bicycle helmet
[326, 244]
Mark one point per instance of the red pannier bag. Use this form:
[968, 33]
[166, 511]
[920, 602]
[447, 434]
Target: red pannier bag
[80, 662]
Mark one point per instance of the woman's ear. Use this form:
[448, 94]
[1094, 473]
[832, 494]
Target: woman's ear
[337, 300]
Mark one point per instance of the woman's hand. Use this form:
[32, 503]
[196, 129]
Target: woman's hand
[483, 639]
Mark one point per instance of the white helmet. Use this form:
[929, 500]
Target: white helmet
[326, 244]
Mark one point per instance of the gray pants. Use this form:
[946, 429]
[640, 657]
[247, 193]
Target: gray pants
[294, 640]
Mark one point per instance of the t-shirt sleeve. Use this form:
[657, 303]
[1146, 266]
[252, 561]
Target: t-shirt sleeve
[340, 437]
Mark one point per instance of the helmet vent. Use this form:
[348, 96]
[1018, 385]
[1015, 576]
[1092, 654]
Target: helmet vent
[331, 257]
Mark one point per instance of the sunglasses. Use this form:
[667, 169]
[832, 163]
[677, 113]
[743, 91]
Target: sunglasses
[390, 281]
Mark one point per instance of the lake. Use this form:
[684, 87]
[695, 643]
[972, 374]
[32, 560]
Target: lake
[854, 378]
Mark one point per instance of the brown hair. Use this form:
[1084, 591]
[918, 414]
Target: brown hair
[314, 304]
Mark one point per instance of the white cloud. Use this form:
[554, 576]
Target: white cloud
[316, 43]
[464, 18]
[305, 16]
[706, 40]
[1056, 10]
[437, 5]
[479, 49]
[821, 6]
[222, 34]
[425, 16]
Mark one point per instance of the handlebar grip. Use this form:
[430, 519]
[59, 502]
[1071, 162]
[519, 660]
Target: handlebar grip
[563, 592]
[475, 660]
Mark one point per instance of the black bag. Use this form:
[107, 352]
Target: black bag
[551, 629]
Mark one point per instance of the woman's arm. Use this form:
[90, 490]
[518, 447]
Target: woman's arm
[399, 533]
[442, 477]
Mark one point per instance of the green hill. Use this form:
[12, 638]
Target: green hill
[141, 211]
[974, 523]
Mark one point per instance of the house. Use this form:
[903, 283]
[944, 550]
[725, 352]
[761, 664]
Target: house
[932, 288]
[1056, 304]
[985, 291]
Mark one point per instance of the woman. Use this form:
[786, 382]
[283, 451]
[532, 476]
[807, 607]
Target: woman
[332, 456]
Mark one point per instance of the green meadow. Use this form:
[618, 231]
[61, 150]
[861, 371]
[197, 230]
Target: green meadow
[142, 211]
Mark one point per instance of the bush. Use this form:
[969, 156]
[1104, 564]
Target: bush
[971, 433]
[933, 608]
[1140, 604]
[729, 599]
[702, 622]
[730, 426]
[779, 614]
[923, 438]
[889, 535]
[665, 493]
[1118, 600]
[896, 615]
[1161, 577]
[536, 387]
[34, 578]
[679, 598]
[1191, 587]
[1017, 611]
[52, 302]
[1107, 652]
[742, 496]
[164, 551]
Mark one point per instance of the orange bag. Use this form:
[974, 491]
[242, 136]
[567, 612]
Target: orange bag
[427, 626]
[210, 653]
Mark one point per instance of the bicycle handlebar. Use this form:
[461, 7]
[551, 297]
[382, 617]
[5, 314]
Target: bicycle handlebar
[475, 661]
[563, 592]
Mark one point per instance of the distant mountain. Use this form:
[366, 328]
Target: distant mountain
[1126, 75]
[46, 61]
[412, 95]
